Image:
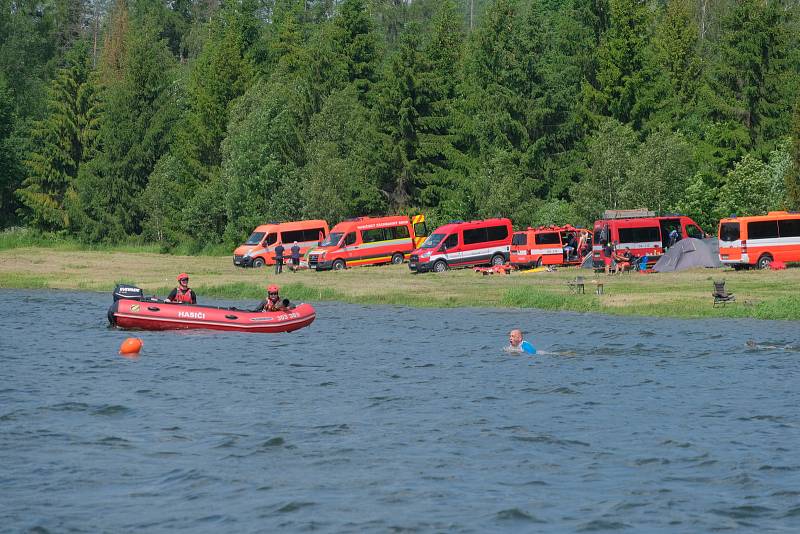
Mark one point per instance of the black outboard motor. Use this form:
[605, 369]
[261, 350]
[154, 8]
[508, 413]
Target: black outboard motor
[124, 291]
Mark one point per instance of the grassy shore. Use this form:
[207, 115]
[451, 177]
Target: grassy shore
[760, 294]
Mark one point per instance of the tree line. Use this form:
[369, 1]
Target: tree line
[196, 120]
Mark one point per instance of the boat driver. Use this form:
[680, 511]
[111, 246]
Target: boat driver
[273, 301]
[183, 293]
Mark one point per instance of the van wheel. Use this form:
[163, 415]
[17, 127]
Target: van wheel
[439, 266]
[397, 258]
[498, 259]
[258, 263]
[764, 261]
[338, 265]
[539, 262]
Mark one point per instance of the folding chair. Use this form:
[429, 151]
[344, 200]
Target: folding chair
[721, 295]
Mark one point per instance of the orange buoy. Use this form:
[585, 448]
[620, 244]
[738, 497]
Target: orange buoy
[132, 345]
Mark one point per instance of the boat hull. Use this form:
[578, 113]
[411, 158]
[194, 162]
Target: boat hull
[149, 315]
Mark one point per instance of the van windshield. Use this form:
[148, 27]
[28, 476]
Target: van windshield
[332, 239]
[729, 231]
[255, 238]
[432, 241]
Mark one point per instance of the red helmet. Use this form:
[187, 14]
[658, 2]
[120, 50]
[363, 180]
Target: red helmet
[272, 289]
[182, 276]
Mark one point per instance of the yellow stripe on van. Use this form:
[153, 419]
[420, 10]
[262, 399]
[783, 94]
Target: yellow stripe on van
[418, 241]
[369, 260]
[417, 219]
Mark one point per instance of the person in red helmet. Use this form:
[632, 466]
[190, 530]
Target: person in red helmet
[182, 293]
[273, 301]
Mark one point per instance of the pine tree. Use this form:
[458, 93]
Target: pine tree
[9, 164]
[62, 141]
[400, 103]
[134, 132]
[793, 174]
[620, 62]
[752, 83]
[438, 181]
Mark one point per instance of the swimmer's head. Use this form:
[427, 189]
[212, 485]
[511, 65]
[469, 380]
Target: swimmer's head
[750, 343]
[515, 337]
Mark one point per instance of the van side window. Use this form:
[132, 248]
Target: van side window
[272, 239]
[474, 235]
[789, 227]
[693, 231]
[520, 238]
[647, 234]
[397, 232]
[496, 233]
[451, 241]
[762, 230]
[313, 234]
[548, 238]
[371, 236]
[350, 239]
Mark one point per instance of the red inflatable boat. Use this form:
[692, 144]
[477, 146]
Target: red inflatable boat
[133, 311]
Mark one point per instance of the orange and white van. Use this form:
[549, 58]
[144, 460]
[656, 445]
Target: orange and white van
[463, 244]
[760, 240]
[548, 245]
[368, 241]
[259, 249]
[645, 235]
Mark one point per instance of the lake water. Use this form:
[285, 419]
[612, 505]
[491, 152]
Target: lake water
[380, 418]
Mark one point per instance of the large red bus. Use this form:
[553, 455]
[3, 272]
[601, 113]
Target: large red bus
[759, 240]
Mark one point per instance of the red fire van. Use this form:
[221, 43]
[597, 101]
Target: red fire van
[760, 240]
[259, 249]
[550, 245]
[645, 235]
[368, 241]
[462, 244]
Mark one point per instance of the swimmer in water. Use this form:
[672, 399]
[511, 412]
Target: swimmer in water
[752, 345]
[517, 344]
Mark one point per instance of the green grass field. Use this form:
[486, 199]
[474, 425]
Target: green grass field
[759, 294]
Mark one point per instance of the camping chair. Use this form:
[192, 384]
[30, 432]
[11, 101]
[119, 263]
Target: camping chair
[577, 285]
[721, 295]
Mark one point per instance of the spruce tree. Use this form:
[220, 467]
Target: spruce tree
[62, 142]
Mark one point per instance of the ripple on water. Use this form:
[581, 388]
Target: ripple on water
[602, 524]
[744, 512]
[515, 514]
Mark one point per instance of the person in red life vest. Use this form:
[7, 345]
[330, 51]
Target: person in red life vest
[273, 301]
[182, 293]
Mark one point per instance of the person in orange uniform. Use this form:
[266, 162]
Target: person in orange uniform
[182, 293]
[273, 301]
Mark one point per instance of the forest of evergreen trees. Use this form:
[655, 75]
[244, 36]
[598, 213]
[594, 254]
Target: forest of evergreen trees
[194, 120]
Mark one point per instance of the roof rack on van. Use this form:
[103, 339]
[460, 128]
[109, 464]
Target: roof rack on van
[628, 214]
[354, 219]
[455, 222]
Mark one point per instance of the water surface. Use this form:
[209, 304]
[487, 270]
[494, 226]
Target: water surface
[381, 418]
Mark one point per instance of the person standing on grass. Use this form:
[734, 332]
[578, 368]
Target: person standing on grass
[279, 259]
[295, 257]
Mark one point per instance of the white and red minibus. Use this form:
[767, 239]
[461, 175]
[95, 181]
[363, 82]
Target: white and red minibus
[759, 240]
[464, 244]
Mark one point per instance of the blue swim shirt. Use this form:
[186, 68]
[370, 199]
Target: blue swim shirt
[527, 347]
